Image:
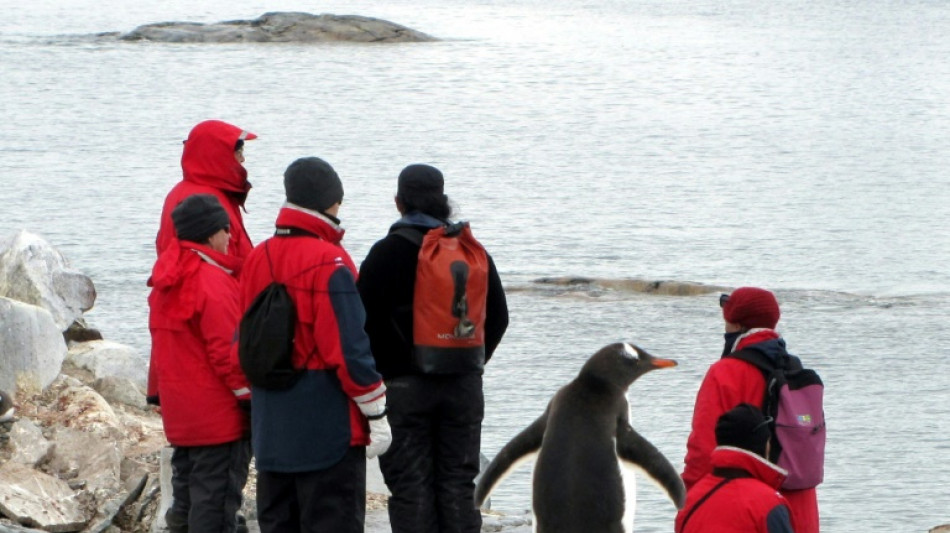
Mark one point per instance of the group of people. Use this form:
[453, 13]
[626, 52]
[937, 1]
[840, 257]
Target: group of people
[352, 341]
[360, 395]
[730, 437]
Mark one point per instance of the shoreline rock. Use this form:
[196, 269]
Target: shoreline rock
[82, 452]
[279, 27]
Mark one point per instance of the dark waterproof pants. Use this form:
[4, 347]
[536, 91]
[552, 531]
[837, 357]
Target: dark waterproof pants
[207, 484]
[434, 458]
[322, 501]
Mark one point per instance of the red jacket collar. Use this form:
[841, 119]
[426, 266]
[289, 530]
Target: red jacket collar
[294, 216]
[755, 336]
[729, 457]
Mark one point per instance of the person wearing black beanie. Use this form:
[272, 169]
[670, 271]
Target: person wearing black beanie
[311, 183]
[311, 439]
[740, 493]
[199, 217]
[194, 310]
[437, 413]
[746, 428]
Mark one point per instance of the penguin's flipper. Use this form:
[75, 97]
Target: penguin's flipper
[518, 450]
[633, 448]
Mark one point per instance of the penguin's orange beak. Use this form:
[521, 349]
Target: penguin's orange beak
[663, 363]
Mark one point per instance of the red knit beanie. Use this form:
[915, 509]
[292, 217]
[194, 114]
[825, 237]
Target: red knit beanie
[752, 307]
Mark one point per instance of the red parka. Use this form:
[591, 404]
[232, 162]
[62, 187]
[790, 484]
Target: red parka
[209, 167]
[728, 383]
[314, 423]
[748, 504]
[193, 313]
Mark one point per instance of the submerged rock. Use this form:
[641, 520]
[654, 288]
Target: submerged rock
[280, 27]
[663, 287]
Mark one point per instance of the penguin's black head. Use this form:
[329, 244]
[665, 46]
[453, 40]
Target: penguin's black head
[622, 363]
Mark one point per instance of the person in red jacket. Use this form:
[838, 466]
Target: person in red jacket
[750, 315]
[211, 163]
[740, 494]
[193, 315]
[311, 441]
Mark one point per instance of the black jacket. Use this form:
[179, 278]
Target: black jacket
[386, 284]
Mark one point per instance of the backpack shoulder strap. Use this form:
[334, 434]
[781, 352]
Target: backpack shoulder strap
[411, 234]
[703, 500]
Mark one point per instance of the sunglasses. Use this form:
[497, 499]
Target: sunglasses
[723, 298]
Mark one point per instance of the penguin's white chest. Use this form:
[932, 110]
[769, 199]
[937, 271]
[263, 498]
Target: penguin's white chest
[628, 475]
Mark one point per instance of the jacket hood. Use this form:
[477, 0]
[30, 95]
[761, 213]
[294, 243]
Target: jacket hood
[418, 219]
[729, 457]
[208, 157]
[766, 341]
[174, 280]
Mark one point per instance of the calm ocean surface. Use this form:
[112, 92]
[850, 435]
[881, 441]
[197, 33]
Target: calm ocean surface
[800, 146]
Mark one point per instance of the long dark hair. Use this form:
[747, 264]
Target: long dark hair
[431, 203]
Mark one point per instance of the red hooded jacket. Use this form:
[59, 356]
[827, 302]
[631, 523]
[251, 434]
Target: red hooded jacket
[728, 383]
[749, 504]
[314, 423]
[193, 313]
[209, 167]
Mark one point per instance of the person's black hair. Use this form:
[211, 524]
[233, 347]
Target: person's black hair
[421, 188]
[431, 203]
[238, 145]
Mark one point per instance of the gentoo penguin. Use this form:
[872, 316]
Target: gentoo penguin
[580, 441]
[6, 407]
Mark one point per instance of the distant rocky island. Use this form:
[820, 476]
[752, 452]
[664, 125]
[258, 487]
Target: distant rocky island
[278, 27]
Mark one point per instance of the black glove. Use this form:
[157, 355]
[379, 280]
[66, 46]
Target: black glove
[152, 400]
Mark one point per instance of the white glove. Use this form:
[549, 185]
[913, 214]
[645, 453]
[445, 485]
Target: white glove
[380, 437]
[375, 407]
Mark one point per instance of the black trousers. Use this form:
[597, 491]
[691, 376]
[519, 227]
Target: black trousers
[434, 458]
[322, 501]
[207, 484]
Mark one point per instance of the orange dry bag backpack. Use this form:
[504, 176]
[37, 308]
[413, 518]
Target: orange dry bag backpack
[448, 309]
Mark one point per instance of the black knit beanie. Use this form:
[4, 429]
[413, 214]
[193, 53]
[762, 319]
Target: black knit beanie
[743, 427]
[420, 179]
[198, 217]
[311, 182]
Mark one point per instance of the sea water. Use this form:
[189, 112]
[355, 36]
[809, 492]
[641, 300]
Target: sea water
[799, 146]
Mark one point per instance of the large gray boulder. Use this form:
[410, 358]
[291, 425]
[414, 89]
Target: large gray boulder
[35, 499]
[32, 349]
[280, 27]
[33, 272]
[105, 358]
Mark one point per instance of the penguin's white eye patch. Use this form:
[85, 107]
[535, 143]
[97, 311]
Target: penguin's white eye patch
[629, 351]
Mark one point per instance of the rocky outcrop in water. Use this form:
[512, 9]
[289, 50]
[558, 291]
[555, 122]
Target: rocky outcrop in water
[280, 27]
[596, 286]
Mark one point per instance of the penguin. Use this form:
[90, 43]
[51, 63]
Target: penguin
[6, 407]
[583, 443]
